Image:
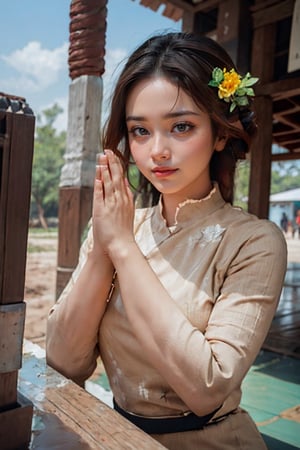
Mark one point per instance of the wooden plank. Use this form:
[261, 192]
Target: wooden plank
[15, 425]
[8, 389]
[68, 411]
[15, 177]
[273, 13]
[75, 206]
[12, 320]
[15, 203]
[207, 5]
[4, 173]
[286, 157]
[279, 89]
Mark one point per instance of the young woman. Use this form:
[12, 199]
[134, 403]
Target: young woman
[176, 297]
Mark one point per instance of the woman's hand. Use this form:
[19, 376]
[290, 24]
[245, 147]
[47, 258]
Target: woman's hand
[113, 207]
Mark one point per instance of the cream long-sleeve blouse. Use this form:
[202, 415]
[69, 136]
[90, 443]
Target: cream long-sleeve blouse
[224, 268]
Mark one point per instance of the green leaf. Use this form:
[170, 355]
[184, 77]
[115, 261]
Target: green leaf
[251, 81]
[240, 92]
[248, 80]
[241, 101]
[232, 106]
[217, 75]
[213, 83]
[250, 92]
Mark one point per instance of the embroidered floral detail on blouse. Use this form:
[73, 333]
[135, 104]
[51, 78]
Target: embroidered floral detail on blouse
[232, 87]
[212, 233]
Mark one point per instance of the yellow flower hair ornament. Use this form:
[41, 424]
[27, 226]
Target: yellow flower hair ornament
[232, 87]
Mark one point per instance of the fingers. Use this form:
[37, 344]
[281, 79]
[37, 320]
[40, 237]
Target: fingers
[110, 171]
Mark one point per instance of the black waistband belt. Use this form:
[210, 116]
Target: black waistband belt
[166, 425]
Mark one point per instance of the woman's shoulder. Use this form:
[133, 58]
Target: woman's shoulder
[251, 227]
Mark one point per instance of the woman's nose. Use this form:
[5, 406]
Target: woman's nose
[160, 148]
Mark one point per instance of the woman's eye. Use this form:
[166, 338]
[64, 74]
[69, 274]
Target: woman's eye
[139, 131]
[183, 127]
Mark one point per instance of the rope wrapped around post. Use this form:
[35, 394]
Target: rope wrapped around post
[87, 37]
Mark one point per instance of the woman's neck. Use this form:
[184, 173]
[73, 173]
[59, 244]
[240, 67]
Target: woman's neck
[170, 204]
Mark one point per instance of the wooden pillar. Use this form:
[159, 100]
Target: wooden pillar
[198, 23]
[261, 151]
[77, 177]
[231, 28]
[260, 162]
[234, 31]
[86, 66]
[16, 151]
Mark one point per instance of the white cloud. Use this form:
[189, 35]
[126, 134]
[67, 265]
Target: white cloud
[114, 62]
[41, 67]
[38, 67]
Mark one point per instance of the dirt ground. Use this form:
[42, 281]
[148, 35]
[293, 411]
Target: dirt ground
[40, 283]
[41, 278]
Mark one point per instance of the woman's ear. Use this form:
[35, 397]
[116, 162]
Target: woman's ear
[220, 143]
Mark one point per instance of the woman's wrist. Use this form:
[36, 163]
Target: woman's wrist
[121, 250]
[100, 260]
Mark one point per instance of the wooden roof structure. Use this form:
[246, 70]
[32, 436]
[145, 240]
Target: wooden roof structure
[281, 85]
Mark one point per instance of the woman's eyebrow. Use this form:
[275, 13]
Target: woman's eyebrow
[169, 115]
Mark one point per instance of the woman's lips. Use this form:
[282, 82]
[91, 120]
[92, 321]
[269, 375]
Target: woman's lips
[162, 172]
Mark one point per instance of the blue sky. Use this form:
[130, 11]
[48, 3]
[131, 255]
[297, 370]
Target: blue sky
[35, 37]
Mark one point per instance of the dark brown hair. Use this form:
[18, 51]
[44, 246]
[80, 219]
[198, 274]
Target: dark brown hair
[187, 61]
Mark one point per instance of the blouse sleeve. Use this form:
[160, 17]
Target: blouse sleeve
[85, 364]
[214, 363]
[244, 310]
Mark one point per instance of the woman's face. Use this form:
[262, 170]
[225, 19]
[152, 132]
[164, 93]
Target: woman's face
[171, 139]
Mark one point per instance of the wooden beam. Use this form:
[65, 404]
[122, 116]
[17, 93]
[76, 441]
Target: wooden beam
[273, 14]
[207, 5]
[285, 156]
[181, 4]
[279, 89]
[188, 20]
[173, 12]
[261, 4]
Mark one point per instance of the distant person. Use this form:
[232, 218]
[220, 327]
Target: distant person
[177, 297]
[284, 221]
[297, 222]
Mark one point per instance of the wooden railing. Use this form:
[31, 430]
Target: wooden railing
[16, 151]
[67, 416]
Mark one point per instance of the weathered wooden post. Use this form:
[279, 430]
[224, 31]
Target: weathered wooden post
[16, 150]
[86, 66]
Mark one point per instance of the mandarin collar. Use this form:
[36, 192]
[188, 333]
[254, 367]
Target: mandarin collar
[189, 210]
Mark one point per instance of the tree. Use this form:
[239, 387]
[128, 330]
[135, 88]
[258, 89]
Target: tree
[49, 148]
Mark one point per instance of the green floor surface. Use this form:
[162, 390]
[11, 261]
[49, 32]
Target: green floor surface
[271, 392]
